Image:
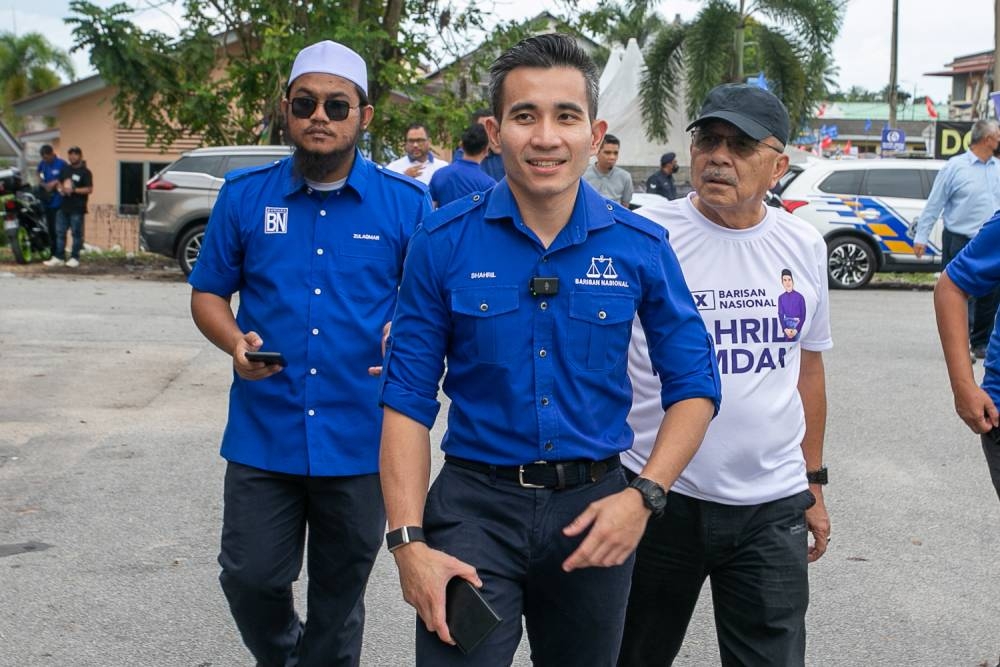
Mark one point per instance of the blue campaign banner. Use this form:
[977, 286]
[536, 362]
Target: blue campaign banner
[893, 139]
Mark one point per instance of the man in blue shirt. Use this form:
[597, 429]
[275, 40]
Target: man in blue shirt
[967, 191]
[48, 179]
[529, 291]
[463, 176]
[492, 162]
[314, 245]
[975, 271]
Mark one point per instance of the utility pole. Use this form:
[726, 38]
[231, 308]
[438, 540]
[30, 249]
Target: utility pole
[892, 62]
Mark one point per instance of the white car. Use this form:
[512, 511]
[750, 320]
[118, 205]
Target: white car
[864, 208]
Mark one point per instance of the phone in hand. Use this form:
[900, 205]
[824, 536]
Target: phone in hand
[469, 616]
[268, 358]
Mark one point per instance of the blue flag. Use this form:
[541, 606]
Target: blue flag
[868, 124]
[760, 81]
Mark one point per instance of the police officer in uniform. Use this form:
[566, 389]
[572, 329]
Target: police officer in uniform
[314, 245]
[529, 290]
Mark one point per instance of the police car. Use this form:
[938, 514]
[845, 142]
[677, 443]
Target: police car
[864, 208]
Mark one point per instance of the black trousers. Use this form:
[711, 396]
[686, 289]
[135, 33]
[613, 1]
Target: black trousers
[513, 537]
[991, 449]
[755, 557]
[265, 520]
[982, 309]
[50, 222]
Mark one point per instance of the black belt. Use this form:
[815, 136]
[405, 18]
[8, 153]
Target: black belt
[544, 474]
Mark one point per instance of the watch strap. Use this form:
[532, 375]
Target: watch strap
[402, 536]
[654, 496]
[818, 476]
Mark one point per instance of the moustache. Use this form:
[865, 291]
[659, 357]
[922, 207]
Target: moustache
[718, 176]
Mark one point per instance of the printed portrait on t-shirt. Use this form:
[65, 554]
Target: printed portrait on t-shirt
[791, 306]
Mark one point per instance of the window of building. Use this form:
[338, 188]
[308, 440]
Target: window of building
[132, 177]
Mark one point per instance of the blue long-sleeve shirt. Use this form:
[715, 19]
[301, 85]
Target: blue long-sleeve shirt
[539, 377]
[967, 190]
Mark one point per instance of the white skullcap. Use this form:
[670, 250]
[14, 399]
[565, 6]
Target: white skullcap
[328, 57]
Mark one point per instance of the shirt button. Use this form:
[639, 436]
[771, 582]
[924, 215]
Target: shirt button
[312, 371]
[545, 400]
[322, 213]
[601, 315]
[544, 305]
[312, 413]
[542, 353]
[319, 251]
[610, 207]
[548, 446]
[484, 307]
[317, 291]
[315, 332]
[475, 197]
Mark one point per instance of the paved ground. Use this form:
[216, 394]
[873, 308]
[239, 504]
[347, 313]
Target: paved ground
[111, 408]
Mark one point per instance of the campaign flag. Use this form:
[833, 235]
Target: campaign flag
[868, 124]
[821, 110]
[823, 131]
[995, 96]
[931, 111]
[832, 131]
[760, 81]
[847, 146]
[826, 143]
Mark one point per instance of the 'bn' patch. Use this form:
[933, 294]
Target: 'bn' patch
[275, 220]
[704, 300]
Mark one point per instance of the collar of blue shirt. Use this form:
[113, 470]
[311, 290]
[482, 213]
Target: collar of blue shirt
[357, 180]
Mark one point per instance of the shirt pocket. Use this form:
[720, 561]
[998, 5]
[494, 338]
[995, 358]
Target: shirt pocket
[484, 318]
[366, 271]
[599, 329]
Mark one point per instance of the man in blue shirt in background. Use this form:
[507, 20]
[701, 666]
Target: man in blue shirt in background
[48, 179]
[463, 176]
[529, 291]
[967, 190]
[314, 245]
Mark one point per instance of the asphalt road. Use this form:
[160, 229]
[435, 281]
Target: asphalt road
[111, 409]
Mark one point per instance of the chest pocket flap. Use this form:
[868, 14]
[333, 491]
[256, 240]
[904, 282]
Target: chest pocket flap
[481, 316]
[599, 329]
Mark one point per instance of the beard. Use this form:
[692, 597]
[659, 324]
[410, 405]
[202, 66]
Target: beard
[316, 165]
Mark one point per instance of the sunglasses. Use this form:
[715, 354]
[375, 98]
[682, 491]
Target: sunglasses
[739, 144]
[305, 107]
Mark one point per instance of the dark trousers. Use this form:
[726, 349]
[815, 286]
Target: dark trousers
[69, 221]
[755, 557]
[50, 222]
[982, 309]
[991, 449]
[513, 537]
[263, 537]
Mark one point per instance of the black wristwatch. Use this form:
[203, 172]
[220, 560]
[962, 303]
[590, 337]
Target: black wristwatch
[818, 476]
[403, 536]
[653, 495]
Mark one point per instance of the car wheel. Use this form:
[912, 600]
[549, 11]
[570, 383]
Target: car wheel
[851, 262]
[189, 247]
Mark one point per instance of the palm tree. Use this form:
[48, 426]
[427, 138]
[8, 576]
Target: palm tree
[726, 40]
[29, 64]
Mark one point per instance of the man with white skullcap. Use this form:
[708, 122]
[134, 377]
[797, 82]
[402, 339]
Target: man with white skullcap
[314, 245]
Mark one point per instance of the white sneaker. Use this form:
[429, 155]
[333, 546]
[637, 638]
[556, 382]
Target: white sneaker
[55, 261]
[72, 262]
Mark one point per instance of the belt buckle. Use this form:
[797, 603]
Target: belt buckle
[597, 470]
[520, 478]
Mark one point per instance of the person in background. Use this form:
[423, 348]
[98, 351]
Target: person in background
[463, 176]
[419, 162]
[492, 163]
[662, 181]
[49, 168]
[75, 185]
[966, 193]
[606, 177]
[314, 246]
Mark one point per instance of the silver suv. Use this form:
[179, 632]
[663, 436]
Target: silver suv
[179, 199]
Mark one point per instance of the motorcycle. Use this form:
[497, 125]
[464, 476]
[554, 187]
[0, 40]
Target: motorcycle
[24, 219]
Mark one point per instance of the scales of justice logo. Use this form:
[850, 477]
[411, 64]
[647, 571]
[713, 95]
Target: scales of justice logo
[602, 272]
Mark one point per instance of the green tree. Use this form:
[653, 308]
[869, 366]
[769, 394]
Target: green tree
[29, 64]
[727, 40]
[191, 84]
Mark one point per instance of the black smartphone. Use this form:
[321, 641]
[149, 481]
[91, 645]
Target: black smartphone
[268, 358]
[470, 618]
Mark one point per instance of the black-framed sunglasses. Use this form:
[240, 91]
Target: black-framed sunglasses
[305, 107]
[740, 144]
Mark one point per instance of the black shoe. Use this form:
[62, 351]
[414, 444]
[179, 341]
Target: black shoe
[979, 351]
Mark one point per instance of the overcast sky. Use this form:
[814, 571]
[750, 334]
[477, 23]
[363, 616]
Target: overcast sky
[931, 34]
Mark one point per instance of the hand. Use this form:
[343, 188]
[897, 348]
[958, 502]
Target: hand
[424, 574]
[251, 370]
[414, 170]
[616, 525]
[375, 371]
[818, 523]
[976, 408]
[918, 249]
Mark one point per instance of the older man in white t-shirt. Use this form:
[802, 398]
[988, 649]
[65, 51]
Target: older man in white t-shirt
[419, 162]
[741, 511]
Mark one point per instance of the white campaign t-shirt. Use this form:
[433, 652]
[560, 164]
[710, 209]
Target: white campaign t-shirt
[430, 166]
[752, 452]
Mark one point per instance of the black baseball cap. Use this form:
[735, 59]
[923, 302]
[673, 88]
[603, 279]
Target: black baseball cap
[667, 158]
[755, 111]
